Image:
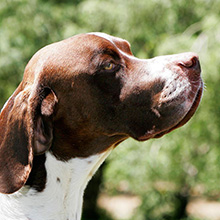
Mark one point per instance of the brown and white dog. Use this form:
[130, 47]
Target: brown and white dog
[79, 98]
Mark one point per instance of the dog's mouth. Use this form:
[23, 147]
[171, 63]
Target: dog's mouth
[159, 133]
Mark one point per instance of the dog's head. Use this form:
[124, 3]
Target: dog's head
[84, 94]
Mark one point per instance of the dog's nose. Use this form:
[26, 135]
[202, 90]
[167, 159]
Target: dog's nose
[190, 62]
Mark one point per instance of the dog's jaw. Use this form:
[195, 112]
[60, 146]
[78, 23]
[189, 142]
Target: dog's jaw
[191, 106]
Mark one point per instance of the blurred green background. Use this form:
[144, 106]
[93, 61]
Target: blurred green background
[167, 174]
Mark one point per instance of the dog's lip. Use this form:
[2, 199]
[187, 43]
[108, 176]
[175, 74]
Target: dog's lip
[186, 118]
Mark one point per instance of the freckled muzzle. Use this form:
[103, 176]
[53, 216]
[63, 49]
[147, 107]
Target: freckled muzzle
[180, 97]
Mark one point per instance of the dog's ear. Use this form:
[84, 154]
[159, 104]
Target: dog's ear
[43, 125]
[25, 129]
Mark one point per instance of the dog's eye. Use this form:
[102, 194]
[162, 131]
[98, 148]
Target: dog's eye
[109, 66]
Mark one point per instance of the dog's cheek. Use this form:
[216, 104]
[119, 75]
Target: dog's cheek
[108, 85]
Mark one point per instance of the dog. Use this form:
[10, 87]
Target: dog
[79, 98]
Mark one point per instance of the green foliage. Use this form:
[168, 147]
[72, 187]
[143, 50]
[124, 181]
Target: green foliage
[165, 173]
[185, 163]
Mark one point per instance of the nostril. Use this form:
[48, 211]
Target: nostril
[191, 66]
[193, 62]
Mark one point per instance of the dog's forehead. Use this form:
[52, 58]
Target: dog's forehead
[122, 44]
[69, 52]
[103, 35]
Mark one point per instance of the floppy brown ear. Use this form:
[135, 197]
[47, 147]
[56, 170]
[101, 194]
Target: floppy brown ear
[43, 125]
[25, 129]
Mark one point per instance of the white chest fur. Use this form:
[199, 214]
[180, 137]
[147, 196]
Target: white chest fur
[63, 195]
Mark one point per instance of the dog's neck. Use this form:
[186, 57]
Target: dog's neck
[63, 195]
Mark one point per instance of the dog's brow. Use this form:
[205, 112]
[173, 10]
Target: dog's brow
[103, 35]
[106, 51]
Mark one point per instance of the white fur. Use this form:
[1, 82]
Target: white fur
[61, 199]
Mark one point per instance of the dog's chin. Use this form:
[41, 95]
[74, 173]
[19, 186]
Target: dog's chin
[156, 133]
